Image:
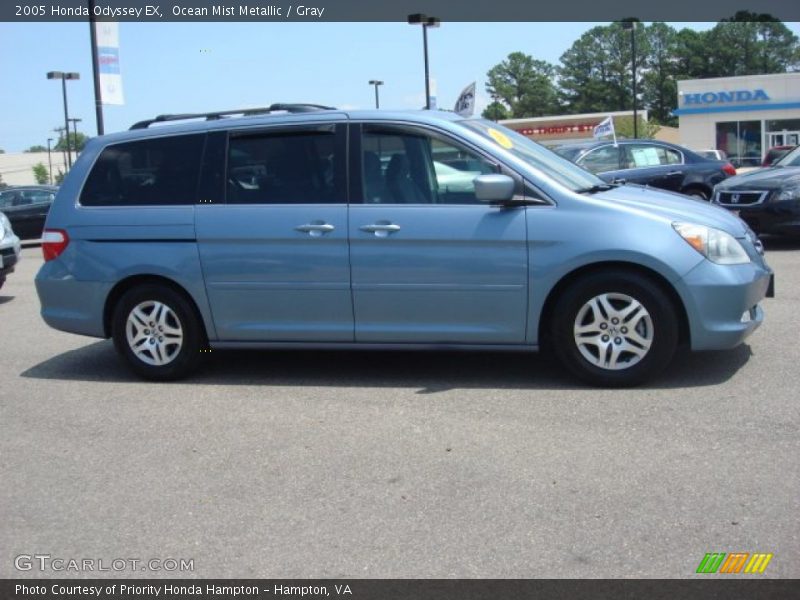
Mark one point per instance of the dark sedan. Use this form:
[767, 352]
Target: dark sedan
[766, 199]
[649, 162]
[27, 207]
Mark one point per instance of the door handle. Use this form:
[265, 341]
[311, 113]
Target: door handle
[315, 229]
[380, 229]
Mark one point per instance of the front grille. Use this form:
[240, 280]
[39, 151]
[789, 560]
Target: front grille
[748, 198]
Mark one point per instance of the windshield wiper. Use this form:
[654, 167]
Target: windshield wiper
[602, 187]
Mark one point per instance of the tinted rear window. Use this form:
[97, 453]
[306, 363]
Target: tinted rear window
[285, 167]
[146, 172]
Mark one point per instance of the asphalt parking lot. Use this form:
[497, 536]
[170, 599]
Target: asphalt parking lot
[313, 464]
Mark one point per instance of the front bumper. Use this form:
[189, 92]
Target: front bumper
[770, 216]
[722, 303]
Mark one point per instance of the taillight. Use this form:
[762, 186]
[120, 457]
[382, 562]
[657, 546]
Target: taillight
[729, 169]
[54, 242]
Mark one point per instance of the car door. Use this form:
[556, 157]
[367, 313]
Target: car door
[654, 165]
[31, 212]
[430, 263]
[273, 241]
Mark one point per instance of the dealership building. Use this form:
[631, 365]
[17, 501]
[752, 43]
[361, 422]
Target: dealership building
[744, 116]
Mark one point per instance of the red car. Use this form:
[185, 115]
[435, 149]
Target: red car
[775, 153]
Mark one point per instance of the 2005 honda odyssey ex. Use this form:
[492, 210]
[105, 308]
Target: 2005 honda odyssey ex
[300, 227]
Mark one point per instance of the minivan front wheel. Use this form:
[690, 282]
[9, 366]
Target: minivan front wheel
[157, 331]
[615, 329]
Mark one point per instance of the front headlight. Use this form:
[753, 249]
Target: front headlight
[789, 193]
[716, 245]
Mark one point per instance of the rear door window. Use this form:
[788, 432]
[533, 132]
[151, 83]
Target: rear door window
[159, 171]
[289, 166]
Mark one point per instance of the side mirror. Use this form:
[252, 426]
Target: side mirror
[494, 188]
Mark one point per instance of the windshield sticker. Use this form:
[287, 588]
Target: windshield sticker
[500, 138]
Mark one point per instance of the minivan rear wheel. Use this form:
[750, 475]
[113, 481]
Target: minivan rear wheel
[615, 329]
[158, 333]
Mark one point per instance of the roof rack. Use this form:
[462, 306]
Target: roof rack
[212, 116]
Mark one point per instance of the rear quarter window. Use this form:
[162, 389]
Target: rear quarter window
[159, 171]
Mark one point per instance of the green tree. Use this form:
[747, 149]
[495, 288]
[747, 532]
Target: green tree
[525, 85]
[746, 44]
[750, 44]
[660, 67]
[646, 130]
[596, 72]
[40, 173]
[81, 140]
[692, 55]
[496, 111]
[36, 148]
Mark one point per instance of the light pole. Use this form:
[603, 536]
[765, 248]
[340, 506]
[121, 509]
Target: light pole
[425, 21]
[632, 26]
[98, 100]
[60, 132]
[63, 77]
[75, 134]
[49, 162]
[376, 83]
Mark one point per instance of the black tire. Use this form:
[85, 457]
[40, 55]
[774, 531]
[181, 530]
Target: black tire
[183, 357]
[658, 321]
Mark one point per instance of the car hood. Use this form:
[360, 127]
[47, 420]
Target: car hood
[769, 178]
[674, 207]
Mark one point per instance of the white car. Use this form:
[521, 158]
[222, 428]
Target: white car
[454, 180]
[9, 248]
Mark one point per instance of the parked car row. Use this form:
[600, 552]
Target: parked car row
[768, 199]
[650, 162]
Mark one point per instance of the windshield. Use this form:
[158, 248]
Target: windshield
[551, 164]
[792, 159]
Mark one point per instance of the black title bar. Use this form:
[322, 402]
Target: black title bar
[741, 588]
[398, 10]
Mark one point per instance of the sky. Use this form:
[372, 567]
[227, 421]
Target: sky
[198, 67]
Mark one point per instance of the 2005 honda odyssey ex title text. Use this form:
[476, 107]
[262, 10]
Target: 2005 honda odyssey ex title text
[300, 226]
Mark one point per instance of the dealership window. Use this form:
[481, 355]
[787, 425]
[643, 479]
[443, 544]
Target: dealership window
[785, 132]
[741, 141]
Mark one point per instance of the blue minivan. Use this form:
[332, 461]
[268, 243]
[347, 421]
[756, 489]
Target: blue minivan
[304, 227]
